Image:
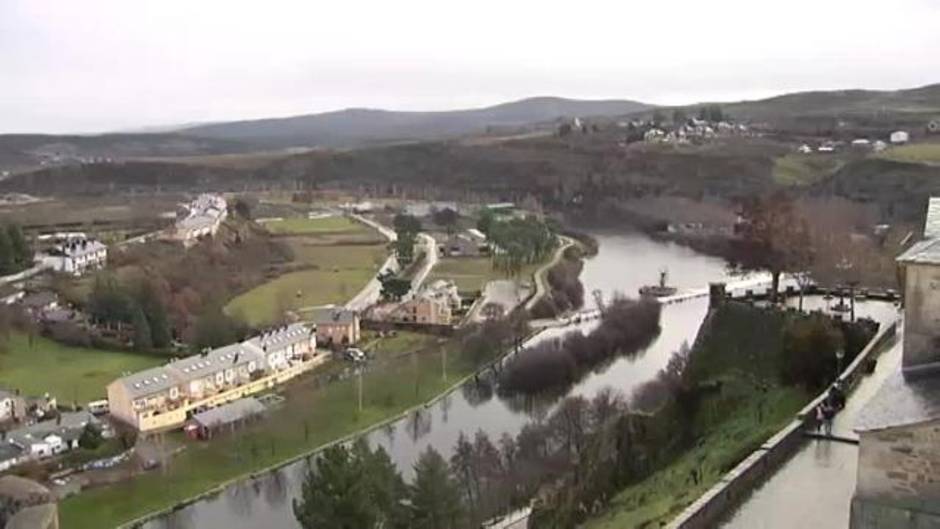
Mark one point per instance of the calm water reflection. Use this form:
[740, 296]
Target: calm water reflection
[624, 263]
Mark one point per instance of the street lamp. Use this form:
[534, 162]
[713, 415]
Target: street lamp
[840, 354]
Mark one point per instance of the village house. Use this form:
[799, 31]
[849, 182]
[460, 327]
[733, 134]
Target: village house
[38, 303]
[336, 326]
[200, 218]
[433, 305]
[54, 436]
[76, 256]
[164, 397]
[471, 243]
[899, 136]
[898, 482]
[12, 406]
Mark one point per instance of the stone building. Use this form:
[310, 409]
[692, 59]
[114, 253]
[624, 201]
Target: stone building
[898, 484]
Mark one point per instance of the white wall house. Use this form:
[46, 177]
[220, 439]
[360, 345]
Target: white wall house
[900, 136]
[76, 256]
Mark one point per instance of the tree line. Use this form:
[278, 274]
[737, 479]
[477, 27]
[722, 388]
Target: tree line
[16, 254]
[626, 326]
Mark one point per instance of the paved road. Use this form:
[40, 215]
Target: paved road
[814, 488]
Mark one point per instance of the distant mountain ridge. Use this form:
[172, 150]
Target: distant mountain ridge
[359, 126]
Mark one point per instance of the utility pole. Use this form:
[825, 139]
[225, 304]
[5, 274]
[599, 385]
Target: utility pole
[444, 364]
[359, 378]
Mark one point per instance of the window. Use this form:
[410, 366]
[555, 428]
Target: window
[219, 378]
[174, 393]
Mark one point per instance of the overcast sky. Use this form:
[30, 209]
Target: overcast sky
[101, 65]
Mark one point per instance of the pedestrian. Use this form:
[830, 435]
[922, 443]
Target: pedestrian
[819, 418]
[828, 413]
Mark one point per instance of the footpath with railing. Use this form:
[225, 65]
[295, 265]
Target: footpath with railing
[735, 486]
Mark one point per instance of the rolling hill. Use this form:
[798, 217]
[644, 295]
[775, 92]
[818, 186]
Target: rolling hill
[357, 126]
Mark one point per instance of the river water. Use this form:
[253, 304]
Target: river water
[623, 264]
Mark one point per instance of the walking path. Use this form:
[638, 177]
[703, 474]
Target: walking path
[814, 488]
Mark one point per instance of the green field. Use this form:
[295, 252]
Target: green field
[299, 225]
[337, 274]
[471, 273]
[311, 417]
[68, 373]
[916, 152]
[804, 169]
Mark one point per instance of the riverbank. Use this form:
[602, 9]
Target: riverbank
[313, 417]
[740, 356]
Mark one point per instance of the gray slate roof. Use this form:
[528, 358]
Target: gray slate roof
[926, 251]
[932, 224]
[228, 413]
[280, 336]
[901, 402]
[333, 315]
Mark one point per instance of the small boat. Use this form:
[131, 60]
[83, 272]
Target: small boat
[660, 290]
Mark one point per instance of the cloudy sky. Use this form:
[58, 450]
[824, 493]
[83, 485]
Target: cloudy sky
[100, 65]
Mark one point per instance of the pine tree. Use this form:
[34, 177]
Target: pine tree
[155, 312]
[142, 337]
[22, 253]
[435, 496]
[7, 257]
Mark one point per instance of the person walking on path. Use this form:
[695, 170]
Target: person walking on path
[828, 413]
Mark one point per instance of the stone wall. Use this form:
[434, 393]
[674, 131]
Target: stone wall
[734, 486]
[901, 464]
[921, 315]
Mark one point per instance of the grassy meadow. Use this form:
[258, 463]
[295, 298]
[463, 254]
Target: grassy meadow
[68, 373]
[334, 275]
[303, 225]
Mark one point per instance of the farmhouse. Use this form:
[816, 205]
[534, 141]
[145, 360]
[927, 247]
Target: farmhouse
[471, 243]
[336, 325]
[164, 397]
[200, 218]
[899, 136]
[434, 305]
[76, 256]
[898, 481]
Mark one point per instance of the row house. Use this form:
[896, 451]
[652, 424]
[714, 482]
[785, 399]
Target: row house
[164, 397]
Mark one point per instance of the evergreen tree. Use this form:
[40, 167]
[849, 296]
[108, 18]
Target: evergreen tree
[7, 257]
[435, 496]
[352, 489]
[155, 311]
[142, 337]
[22, 253]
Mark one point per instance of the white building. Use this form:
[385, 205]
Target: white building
[900, 136]
[76, 256]
[202, 218]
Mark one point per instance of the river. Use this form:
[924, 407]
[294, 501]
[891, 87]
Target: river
[624, 262]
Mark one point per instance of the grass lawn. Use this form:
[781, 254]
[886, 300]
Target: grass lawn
[472, 273]
[68, 373]
[301, 225]
[310, 417]
[339, 273]
[915, 152]
[804, 169]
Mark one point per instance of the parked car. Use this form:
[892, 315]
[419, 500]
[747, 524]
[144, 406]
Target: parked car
[355, 355]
